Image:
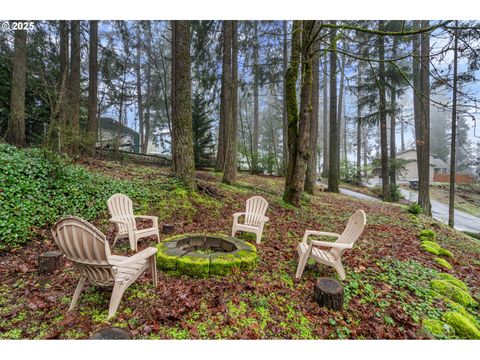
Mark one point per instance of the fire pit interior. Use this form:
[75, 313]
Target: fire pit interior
[201, 255]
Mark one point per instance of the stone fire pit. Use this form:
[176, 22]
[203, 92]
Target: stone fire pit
[201, 255]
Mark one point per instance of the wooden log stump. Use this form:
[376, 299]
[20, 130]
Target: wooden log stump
[50, 261]
[112, 333]
[328, 293]
[168, 228]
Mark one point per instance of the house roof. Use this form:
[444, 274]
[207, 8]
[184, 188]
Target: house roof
[108, 123]
[435, 162]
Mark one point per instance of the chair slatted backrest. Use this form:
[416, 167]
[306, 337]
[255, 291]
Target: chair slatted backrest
[86, 247]
[121, 207]
[353, 230]
[256, 208]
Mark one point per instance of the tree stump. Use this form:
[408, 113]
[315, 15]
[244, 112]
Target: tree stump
[112, 333]
[328, 293]
[168, 228]
[50, 261]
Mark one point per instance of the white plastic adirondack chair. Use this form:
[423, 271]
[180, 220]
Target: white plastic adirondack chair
[88, 249]
[331, 257]
[255, 217]
[121, 212]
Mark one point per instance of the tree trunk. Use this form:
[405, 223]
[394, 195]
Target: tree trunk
[92, 123]
[334, 146]
[225, 113]
[297, 126]
[255, 100]
[359, 127]
[340, 104]
[393, 115]
[63, 83]
[383, 115]
[402, 135]
[182, 144]
[230, 172]
[16, 124]
[311, 175]
[73, 132]
[328, 293]
[148, 102]
[451, 200]
[325, 118]
[423, 143]
[284, 114]
[50, 261]
[138, 69]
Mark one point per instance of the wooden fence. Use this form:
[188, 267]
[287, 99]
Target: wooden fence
[159, 160]
[459, 178]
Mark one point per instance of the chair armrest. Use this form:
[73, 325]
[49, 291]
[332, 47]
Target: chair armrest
[331, 244]
[318, 233]
[146, 217]
[238, 214]
[142, 255]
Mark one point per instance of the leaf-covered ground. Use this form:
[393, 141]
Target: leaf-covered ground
[387, 291]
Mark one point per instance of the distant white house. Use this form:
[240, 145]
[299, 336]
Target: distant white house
[437, 165]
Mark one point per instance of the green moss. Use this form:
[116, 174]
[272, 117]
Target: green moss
[445, 252]
[195, 265]
[223, 264]
[452, 305]
[463, 327]
[452, 292]
[431, 247]
[444, 263]
[166, 262]
[248, 258]
[453, 280]
[428, 234]
[438, 328]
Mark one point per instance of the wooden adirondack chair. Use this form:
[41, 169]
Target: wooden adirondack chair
[88, 249]
[255, 217]
[331, 257]
[121, 212]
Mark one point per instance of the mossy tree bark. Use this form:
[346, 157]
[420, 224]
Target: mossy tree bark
[311, 175]
[334, 145]
[230, 170]
[16, 123]
[382, 110]
[92, 121]
[73, 131]
[182, 141]
[325, 118]
[284, 113]
[225, 95]
[63, 82]
[299, 124]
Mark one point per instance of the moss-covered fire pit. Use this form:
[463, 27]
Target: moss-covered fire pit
[201, 255]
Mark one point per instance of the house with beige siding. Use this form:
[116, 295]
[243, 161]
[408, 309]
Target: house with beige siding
[410, 172]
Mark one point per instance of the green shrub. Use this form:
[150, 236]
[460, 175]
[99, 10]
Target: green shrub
[445, 252]
[37, 188]
[429, 234]
[444, 263]
[453, 292]
[437, 328]
[415, 209]
[463, 327]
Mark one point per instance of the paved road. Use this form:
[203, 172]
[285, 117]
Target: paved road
[463, 221]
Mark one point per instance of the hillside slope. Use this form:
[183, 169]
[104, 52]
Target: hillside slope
[388, 290]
